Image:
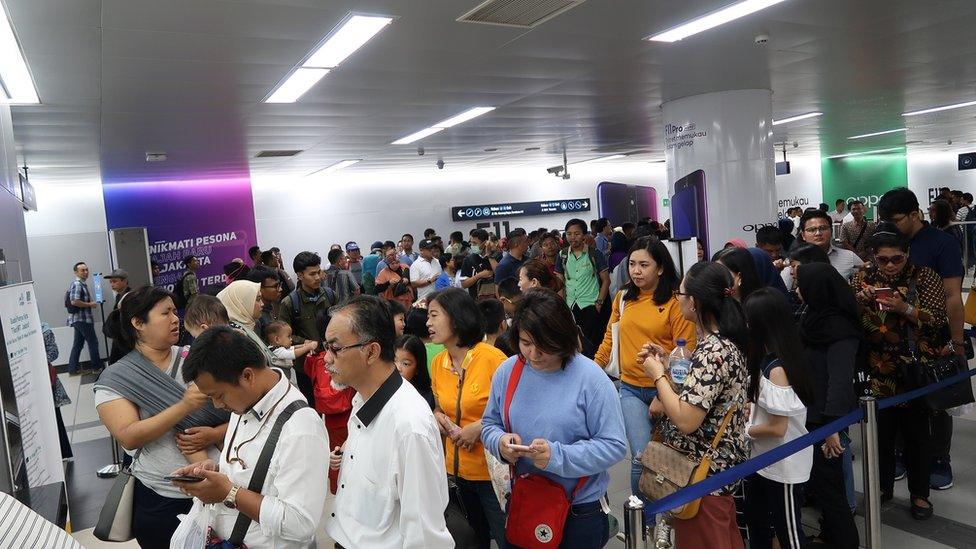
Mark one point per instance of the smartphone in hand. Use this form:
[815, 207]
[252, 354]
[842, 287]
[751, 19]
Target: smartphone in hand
[183, 478]
[883, 293]
[520, 447]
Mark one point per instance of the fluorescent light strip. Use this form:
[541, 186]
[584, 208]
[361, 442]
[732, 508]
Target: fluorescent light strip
[296, 85]
[444, 124]
[877, 133]
[600, 159]
[879, 151]
[13, 67]
[336, 167]
[938, 109]
[351, 36]
[712, 20]
[417, 136]
[797, 117]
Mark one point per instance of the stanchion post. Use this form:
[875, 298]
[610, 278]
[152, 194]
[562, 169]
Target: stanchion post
[634, 536]
[872, 481]
[111, 470]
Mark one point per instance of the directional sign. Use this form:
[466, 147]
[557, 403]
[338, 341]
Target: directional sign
[519, 209]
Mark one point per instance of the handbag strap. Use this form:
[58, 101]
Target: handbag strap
[261, 469]
[860, 234]
[912, 336]
[722, 427]
[457, 414]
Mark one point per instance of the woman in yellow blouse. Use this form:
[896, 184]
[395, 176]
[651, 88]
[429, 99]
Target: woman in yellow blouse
[650, 314]
[461, 381]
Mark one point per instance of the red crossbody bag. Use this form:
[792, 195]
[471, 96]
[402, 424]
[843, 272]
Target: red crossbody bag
[538, 507]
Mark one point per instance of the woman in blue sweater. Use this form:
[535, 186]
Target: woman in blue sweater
[565, 415]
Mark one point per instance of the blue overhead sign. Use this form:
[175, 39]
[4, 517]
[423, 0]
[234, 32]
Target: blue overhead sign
[519, 209]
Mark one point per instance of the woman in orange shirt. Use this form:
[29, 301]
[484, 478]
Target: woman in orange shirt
[461, 380]
[650, 314]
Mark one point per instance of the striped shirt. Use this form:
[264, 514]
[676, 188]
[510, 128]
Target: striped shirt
[22, 527]
[79, 292]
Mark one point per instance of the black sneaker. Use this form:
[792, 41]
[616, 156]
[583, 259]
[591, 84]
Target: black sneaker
[900, 470]
[941, 475]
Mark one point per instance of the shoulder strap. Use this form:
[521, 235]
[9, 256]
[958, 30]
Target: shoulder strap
[177, 362]
[457, 419]
[513, 381]
[911, 298]
[261, 469]
[622, 302]
[769, 367]
[721, 429]
[296, 304]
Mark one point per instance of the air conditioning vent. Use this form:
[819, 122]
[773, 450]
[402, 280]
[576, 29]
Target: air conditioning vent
[518, 13]
[276, 154]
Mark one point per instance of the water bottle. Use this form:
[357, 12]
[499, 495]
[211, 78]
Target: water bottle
[680, 362]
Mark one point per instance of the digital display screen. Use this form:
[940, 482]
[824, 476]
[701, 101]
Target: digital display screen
[684, 213]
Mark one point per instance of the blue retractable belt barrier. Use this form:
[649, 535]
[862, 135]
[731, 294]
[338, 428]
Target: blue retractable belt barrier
[728, 476]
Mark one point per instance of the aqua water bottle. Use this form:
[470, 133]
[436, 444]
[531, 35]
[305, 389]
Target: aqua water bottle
[680, 362]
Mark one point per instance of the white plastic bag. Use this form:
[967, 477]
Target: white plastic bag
[960, 411]
[193, 528]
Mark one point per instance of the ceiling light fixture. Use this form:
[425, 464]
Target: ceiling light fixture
[886, 132]
[350, 35]
[938, 109]
[444, 124]
[797, 117]
[879, 151]
[600, 159]
[712, 20]
[336, 167]
[296, 85]
[13, 68]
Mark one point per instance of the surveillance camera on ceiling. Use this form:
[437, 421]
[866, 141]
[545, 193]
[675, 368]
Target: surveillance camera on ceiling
[555, 170]
[565, 175]
[420, 151]
[762, 39]
[796, 144]
[439, 164]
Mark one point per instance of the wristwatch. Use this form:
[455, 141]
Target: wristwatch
[231, 500]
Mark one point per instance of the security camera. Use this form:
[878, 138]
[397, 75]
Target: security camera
[566, 175]
[948, 142]
[796, 144]
[439, 164]
[420, 151]
[762, 39]
[555, 170]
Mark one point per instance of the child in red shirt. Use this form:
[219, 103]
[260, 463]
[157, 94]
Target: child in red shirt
[335, 405]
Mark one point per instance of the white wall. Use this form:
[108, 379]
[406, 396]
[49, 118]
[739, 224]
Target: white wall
[68, 227]
[933, 170]
[309, 214]
[802, 187]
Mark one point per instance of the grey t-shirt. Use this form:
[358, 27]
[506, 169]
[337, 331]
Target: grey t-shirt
[160, 457]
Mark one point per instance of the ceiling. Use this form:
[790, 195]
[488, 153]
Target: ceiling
[119, 78]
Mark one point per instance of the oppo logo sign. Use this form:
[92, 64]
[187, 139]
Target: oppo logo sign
[869, 200]
[756, 226]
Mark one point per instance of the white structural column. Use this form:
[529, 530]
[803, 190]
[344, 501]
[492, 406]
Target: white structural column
[720, 163]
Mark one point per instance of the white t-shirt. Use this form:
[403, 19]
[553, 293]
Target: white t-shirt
[283, 357]
[781, 401]
[838, 217]
[422, 269]
[160, 457]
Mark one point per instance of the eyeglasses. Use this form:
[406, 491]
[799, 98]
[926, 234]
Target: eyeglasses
[818, 229]
[676, 293]
[894, 260]
[273, 286]
[335, 349]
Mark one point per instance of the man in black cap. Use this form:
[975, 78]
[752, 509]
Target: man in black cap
[119, 280]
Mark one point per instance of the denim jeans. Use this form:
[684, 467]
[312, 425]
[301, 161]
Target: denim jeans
[587, 527]
[634, 403]
[84, 333]
[484, 514]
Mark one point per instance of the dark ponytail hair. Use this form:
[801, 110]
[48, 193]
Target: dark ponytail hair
[667, 283]
[740, 262]
[711, 285]
[772, 331]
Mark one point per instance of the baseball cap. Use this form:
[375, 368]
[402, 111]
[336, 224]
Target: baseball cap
[376, 246]
[426, 244]
[352, 246]
[118, 273]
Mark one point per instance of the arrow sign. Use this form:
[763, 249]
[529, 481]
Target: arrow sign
[520, 209]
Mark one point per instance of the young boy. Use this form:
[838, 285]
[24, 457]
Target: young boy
[278, 336]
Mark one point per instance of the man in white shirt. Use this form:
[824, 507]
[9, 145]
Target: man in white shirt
[285, 511]
[392, 482]
[425, 270]
[815, 228]
[838, 215]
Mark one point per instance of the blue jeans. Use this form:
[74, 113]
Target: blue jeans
[634, 403]
[484, 514]
[587, 527]
[84, 333]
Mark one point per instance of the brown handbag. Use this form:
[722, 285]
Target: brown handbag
[667, 470]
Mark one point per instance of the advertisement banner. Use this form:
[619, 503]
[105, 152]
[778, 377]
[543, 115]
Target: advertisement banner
[211, 219]
[865, 178]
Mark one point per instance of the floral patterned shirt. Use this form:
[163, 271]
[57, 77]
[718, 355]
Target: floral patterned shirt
[716, 381]
[887, 331]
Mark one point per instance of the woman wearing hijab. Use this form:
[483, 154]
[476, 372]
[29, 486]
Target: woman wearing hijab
[831, 337]
[242, 299]
[768, 275]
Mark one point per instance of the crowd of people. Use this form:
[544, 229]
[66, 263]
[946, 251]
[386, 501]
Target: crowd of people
[434, 377]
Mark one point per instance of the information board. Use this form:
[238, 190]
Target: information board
[519, 209]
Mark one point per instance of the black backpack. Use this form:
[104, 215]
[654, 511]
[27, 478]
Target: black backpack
[296, 302]
[67, 303]
[179, 296]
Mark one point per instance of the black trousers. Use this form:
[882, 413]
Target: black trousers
[941, 434]
[588, 320]
[779, 506]
[154, 517]
[826, 485]
[915, 427]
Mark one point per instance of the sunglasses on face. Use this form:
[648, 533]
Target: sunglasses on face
[893, 260]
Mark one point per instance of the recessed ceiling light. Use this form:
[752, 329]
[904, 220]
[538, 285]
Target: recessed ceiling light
[349, 37]
[13, 67]
[491, 149]
[886, 132]
[712, 20]
[879, 151]
[797, 117]
[444, 124]
[336, 167]
[937, 109]
[601, 159]
[533, 148]
[296, 85]
[658, 161]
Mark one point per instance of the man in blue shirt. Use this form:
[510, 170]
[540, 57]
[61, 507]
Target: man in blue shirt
[408, 256]
[518, 245]
[941, 252]
[604, 231]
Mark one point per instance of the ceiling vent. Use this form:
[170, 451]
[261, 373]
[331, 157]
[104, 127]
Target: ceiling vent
[276, 154]
[524, 14]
